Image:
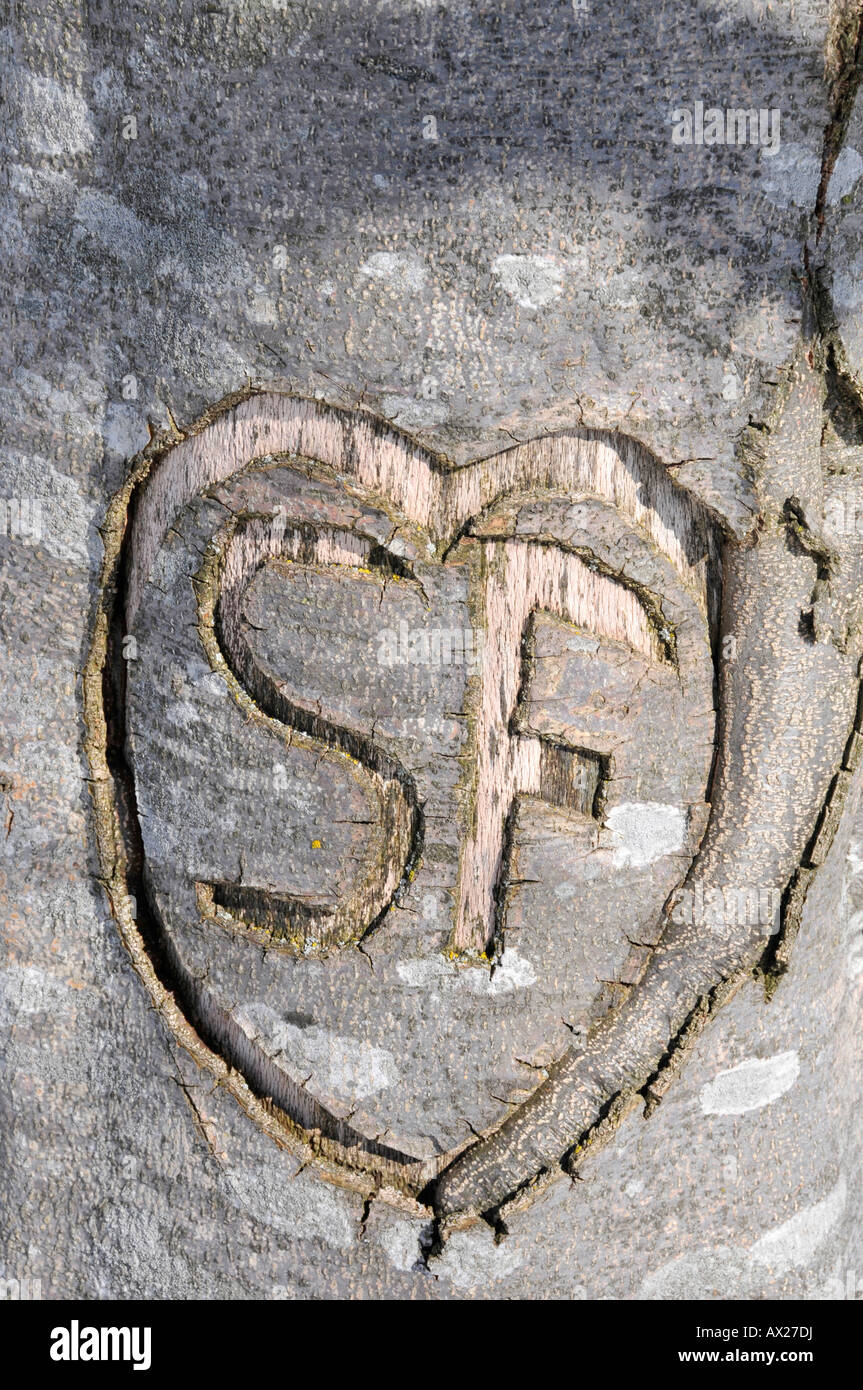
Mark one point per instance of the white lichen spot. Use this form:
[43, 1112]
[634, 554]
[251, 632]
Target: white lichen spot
[734, 1272]
[413, 415]
[425, 974]
[262, 308]
[184, 714]
[346, 1067]
[124, 430]
[400, 271]
[471, 1259]
[730, 383]
[532, 281]
[400, 1244]
[855, 958]
[706, 1273]
[796, 1241]
[511, 972]
[848, 285]
[67, 517]
[117, 228]
[751, 1085]
[25, 989]
[49, 119]
[298, 1204]
[644, 831]
[854, 857]
[846, 172]
[790, 178]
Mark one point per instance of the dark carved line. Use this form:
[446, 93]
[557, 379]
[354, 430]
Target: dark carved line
[556, 768]
[271, 702]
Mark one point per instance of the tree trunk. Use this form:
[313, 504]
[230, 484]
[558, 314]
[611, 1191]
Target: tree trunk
[431, 567]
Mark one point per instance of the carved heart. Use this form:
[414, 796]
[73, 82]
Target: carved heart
[417, 758]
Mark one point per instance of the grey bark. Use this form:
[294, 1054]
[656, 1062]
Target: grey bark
[473, 226]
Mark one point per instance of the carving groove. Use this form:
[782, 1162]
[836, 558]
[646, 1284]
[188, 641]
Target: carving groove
[238, 552]
[521, 580]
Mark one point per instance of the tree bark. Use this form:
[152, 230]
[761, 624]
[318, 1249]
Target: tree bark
[430, 585]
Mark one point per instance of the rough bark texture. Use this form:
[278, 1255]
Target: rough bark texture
[335, 972]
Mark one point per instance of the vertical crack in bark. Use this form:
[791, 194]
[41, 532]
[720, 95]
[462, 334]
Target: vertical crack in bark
[844, 67]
